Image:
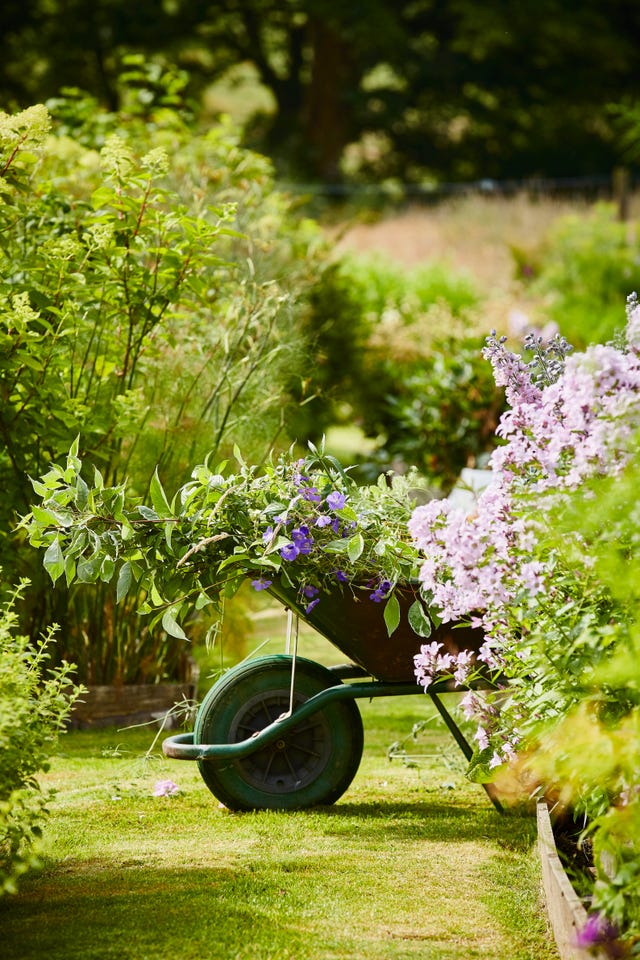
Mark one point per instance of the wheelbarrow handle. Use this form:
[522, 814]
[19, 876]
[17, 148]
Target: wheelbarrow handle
[182, 747]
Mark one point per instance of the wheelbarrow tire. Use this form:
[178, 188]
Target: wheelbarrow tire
[310, 764]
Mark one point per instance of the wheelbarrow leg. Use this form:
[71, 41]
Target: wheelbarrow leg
[463, 743]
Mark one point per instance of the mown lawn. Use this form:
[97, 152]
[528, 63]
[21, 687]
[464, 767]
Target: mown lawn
[409, 863]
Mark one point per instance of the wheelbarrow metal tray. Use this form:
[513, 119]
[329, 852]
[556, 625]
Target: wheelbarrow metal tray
[355, 625]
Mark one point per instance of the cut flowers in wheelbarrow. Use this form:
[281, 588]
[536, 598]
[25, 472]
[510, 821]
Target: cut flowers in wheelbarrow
[298, 522]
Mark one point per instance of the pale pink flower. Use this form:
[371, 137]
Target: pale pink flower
[165, 788]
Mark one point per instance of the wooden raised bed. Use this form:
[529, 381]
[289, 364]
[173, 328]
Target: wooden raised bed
[565, 909]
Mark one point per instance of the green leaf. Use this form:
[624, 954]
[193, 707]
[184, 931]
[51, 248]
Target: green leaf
[392, 614]
[107, 569]
[158, 497]
[70, 570]
[54, 560]
[50, 518]
[147, 513]
[88, 570]
[419, 619]
[479, 770]
[172, 627]
[202, 601]
[356, 546]
[82, 493]
[124, 581]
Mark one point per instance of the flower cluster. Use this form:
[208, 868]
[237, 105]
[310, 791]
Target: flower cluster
[577, 420]
[305, 522]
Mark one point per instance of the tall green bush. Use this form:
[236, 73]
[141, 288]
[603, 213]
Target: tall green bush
[587, 267]
[404, 362]
[150, 301]
[35, 700]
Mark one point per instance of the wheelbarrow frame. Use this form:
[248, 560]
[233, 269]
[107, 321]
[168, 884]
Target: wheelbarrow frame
[361, 684]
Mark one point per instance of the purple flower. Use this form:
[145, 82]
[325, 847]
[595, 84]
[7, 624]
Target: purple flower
[289, 552]
[381, 592]
[309, 607]
[311, 494]
[341, 576]
[165, 788]
[335, 525]
[261, 584]
[323, 520]
[599, 931]
[301, 539]
[309, 591]
[336, 500]
[267, 535]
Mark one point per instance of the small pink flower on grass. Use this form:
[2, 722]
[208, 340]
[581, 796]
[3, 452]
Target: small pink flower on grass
[165, 788]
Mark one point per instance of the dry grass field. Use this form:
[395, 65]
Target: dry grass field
[474, 235]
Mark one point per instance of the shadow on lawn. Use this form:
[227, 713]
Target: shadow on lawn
[149, 913]
[440, 822]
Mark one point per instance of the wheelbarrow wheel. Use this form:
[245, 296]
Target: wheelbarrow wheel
[310, 764]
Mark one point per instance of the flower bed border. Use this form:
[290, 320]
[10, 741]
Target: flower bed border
[565, 909]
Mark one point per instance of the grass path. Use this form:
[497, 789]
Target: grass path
[408, 864]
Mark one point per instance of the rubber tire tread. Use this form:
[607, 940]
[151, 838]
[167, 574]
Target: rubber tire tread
[221, 705]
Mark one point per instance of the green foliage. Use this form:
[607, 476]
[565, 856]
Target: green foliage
[591, 756]
[34, 703]
[396, 354]
[297, 524]
[439, 415]
[587, 268]
[150, 301]
[404, 91]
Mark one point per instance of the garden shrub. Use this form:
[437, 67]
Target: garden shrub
[547, 565]
[438, 414]
[397, 353]
[585, 270]
[150, 302]
[35, 700]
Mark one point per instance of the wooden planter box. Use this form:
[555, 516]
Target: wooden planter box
[565, 910]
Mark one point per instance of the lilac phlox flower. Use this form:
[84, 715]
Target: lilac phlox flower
[268, 534]
[261, 584]
[335, 525]
[323, 520]
[165, 788]
[430, 662]
[463, 662]
[309, 591]
[314, 603]
[336, 500]
[341, 576]
[599, 931]
[470, 705]
[310, 494]
[381, 592]
[482, 737]
[496, 760]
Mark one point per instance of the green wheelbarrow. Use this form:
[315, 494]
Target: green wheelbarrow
[283, 732]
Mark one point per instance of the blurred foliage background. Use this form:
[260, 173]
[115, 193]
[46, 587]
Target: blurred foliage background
[412, 90]
[172, 284]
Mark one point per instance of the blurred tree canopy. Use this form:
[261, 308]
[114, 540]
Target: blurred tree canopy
[371, 89]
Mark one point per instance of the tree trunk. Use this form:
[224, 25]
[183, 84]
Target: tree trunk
[327, 115]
